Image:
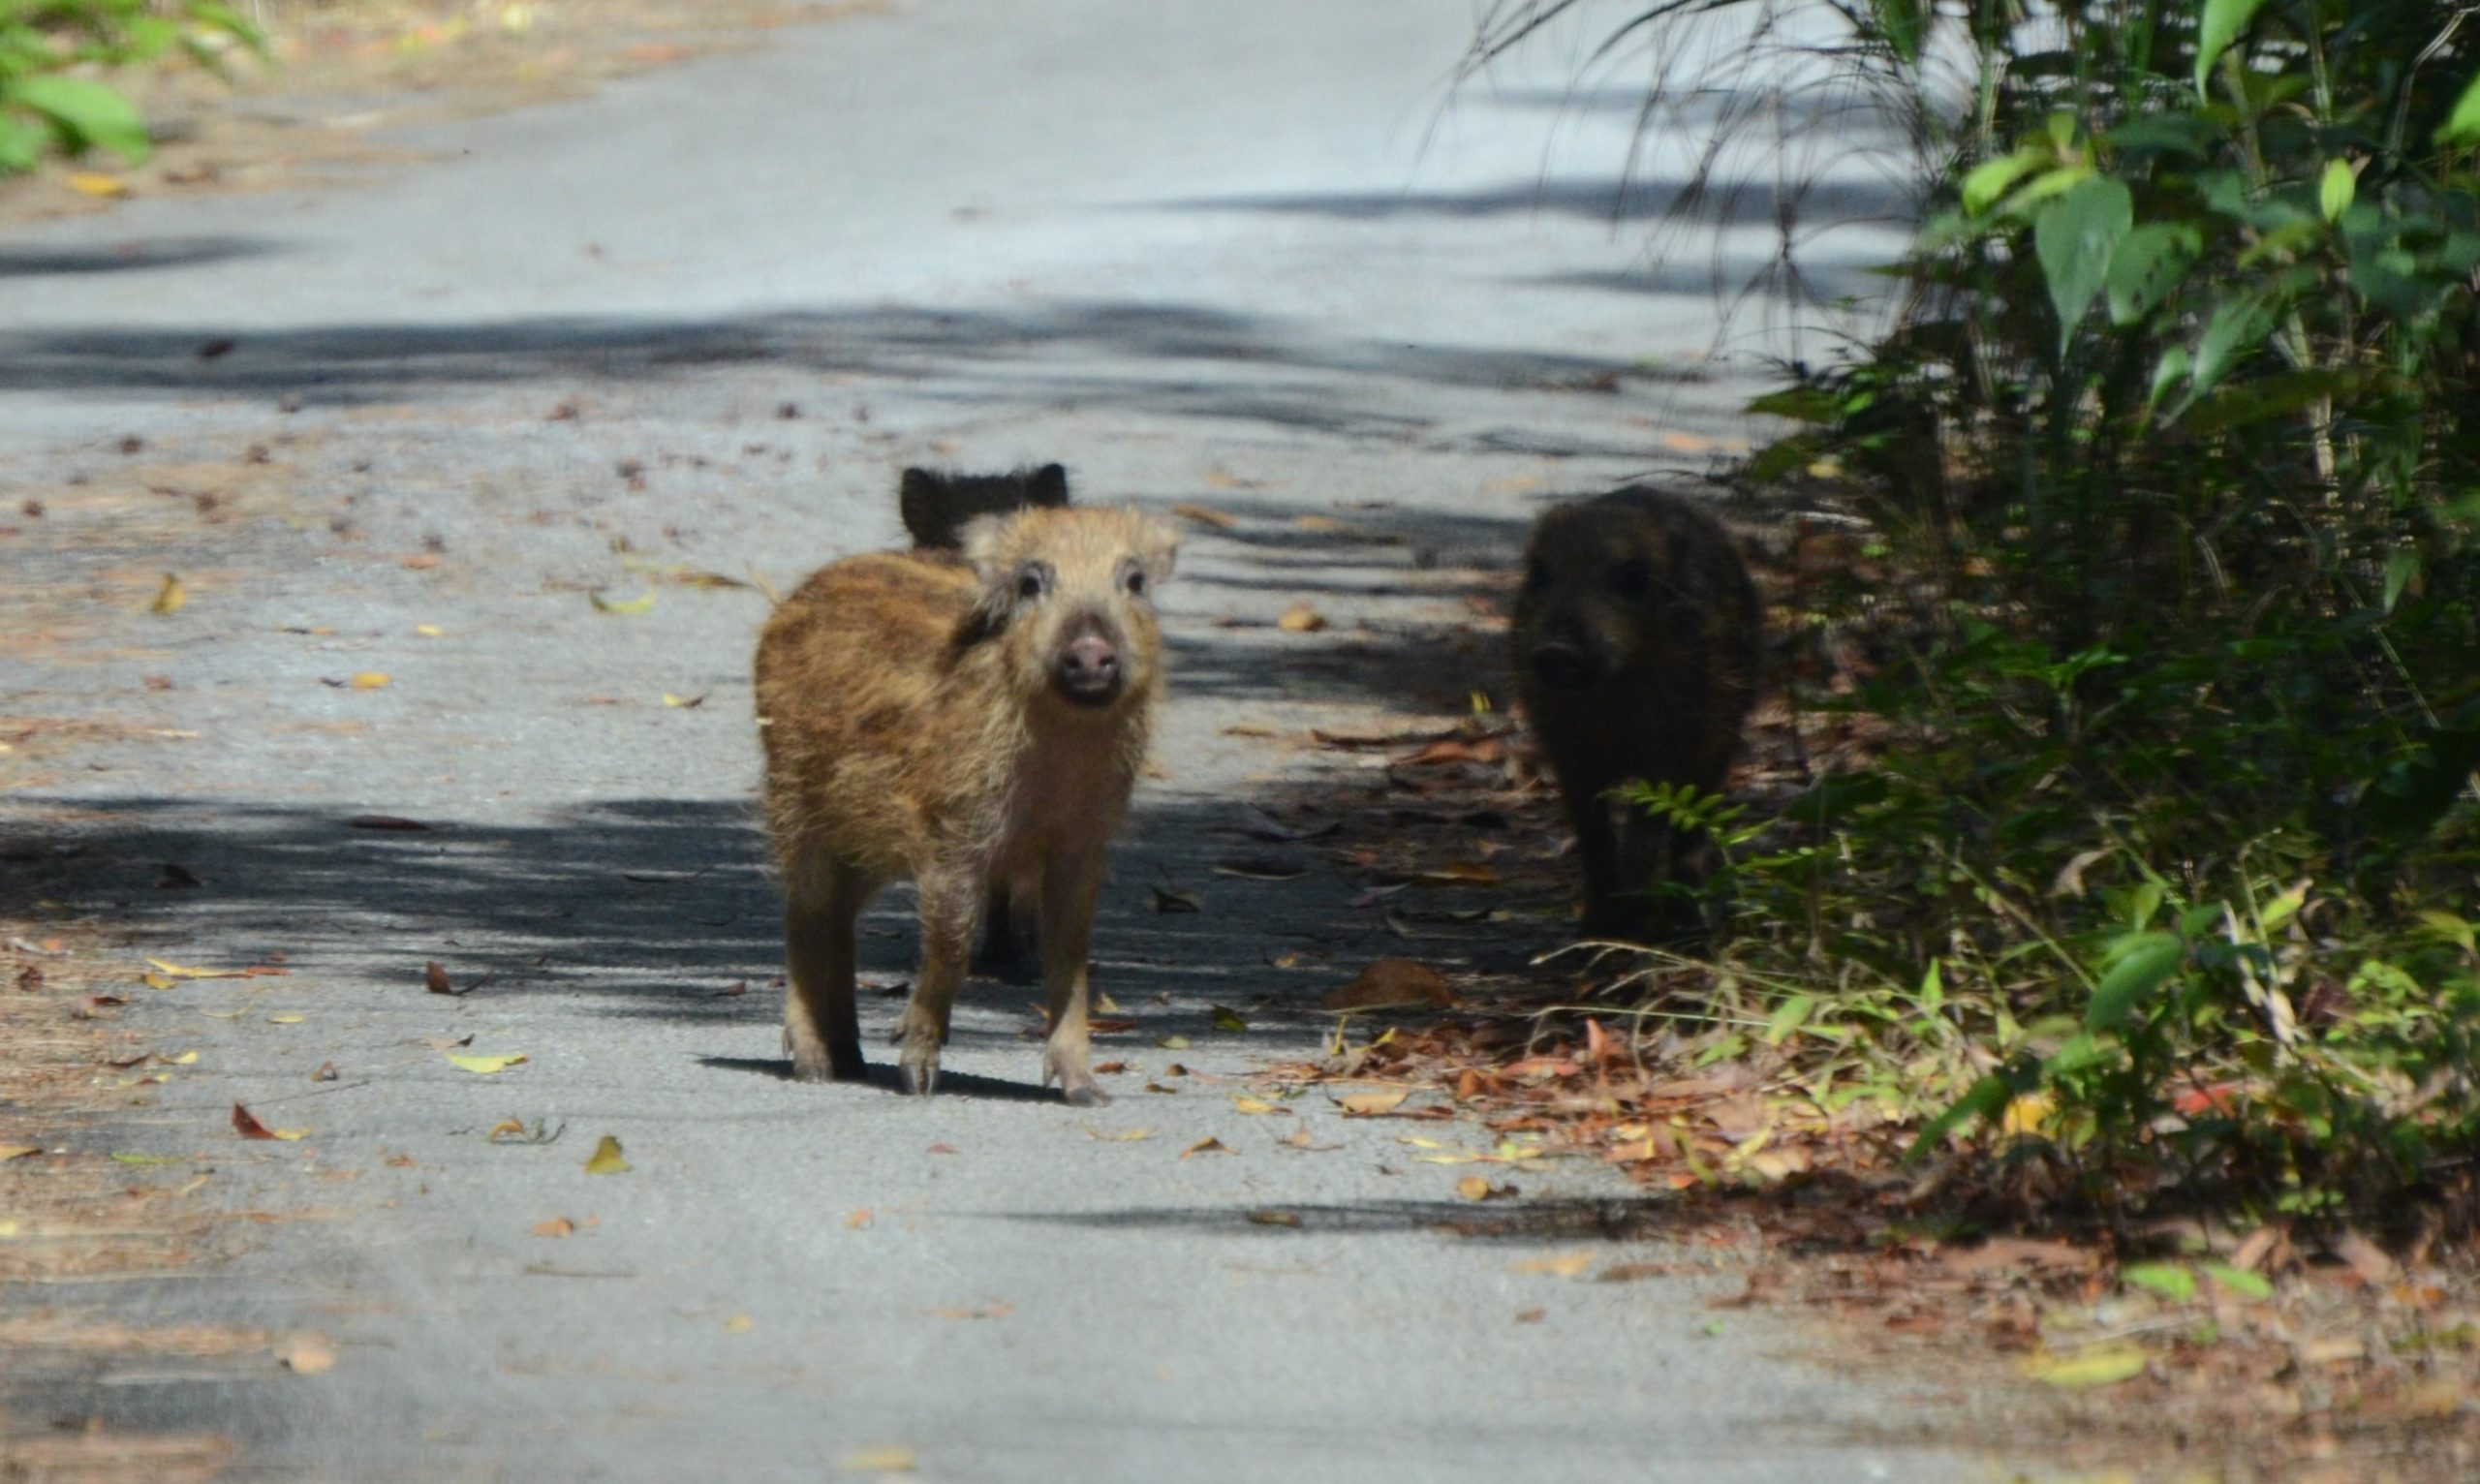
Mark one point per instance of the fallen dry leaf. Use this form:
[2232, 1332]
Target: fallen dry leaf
[1478, 1187]
[2100, 1366]
[1290, 1218]
[1568, 1266]
[1118, 1135]
[1372, 1104]
[1390, 983]
[878, 1461]
[96, 183]
[1301, 618]
[305, 1354]
[860, 1220]
[1205, 517]
[8, 1151]
[246, 1124]
[169, 598]
[1529, 1316]
[991, 1311]
[739, 1324]
[606, 1160]
[639, 604]
[1207, 1146]
[369, 680]
[1253, 1105]
[486, 1065]
[556, 1227]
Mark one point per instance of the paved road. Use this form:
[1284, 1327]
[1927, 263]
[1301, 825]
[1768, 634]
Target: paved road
[1250, 257]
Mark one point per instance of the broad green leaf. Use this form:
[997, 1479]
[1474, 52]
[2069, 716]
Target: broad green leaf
[86, 113]
[2220, 25]
[2401, 569]
[1984, 1100]
[2170, 373]
[2335, 191]
[2140, 963]
[2462, 125]
[2263, 398]
[2167, 1278]
[2284, 908]
[1991, 179]
[2074, 238]
[2235, 328]
[2045, 186]
[2238, 1280]
[2146, 264]
[2450, 928]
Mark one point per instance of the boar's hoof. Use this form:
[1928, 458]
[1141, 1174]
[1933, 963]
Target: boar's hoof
[918, 1072]
[818, 1064]
[1086, 1096]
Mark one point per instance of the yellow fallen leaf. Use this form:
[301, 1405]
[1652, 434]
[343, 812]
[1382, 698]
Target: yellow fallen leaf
[431, 631]
[370, 680]
[556, 1227]
[504, 1128]
[8, 1151]
[185, 1059]
[179, 972]
[1205, 517]
[169, 597]
[1418, 1142]
[878, 1461]
[639, 604]
[285, 1020]
[739, 1324]
[607, 1158]
[1371, 1104]
[1454, 1158]
[2102, 1365]
[154, 980]
[97, 183]
[1301, 618]
[1253, 1105]
[1474, 1188]
[485, 1065]
[1568, 1266]
[686, 703]
[290, 1135]
[1206, 1146]
[2026, 1114]
[306, 1354]
[1119, 1136]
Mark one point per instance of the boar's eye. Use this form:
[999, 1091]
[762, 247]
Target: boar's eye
[1132, 577]
[1632, 579]
[1033, 579]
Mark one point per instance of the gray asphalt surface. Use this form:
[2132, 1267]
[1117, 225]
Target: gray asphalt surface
[1254, 257]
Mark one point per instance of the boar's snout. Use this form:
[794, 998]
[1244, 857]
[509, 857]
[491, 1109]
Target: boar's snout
[1565, 664]
[1086, 667]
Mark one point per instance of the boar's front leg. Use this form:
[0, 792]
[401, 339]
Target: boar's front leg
[951, 905]
[1071, 886]
[822, 1031]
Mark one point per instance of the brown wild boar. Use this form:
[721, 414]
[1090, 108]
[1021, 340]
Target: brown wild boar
[1637, 641]
[938, 505]
[967, 724]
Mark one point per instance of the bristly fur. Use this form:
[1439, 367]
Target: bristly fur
[912, 728]
[1652, 612]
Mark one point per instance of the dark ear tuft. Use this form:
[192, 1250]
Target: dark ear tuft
[921, 499]
[1047, 486]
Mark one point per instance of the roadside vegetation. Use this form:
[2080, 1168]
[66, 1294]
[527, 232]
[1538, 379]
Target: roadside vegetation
[2153, 888]
[57, 55]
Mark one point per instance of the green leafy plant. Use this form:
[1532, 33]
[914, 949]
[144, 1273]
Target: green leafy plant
[51, 99]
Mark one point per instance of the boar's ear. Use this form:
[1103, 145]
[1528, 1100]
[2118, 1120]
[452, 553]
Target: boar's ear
[983, 547]
[1047, 486]
[916, 498]
[1158, 547]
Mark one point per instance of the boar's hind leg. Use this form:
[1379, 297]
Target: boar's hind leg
[821, 1028]
[1069, 888]
[951, 903]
